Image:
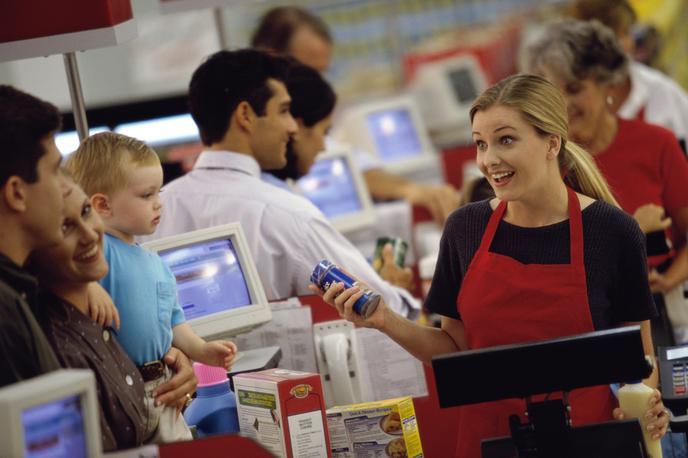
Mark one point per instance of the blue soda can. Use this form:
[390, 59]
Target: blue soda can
[325, 274]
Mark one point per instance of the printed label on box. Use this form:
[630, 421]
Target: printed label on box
[307, 434]
[284, 411]
[259, 418]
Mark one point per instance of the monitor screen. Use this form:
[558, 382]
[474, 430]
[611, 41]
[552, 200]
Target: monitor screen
[209, 278]
[330, 186]
[462, 83]
[394, 134]
[55, 430]
[68, 142]
[54, 415]
[217, 282]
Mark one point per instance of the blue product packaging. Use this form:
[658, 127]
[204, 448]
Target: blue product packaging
[325, 274]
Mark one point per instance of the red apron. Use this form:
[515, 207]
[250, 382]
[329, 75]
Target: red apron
[503, 301]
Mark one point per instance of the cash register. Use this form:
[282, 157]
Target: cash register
[549, 366]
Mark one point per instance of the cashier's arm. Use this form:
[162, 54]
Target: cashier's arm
[646, 334]
[424, 342]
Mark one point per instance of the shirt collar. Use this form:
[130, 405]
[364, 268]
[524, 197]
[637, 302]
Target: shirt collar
[638, 96]
[228, 160]
[273, 180]
[16, 276]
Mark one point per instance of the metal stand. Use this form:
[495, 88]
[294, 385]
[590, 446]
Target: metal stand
[548, 434]
[221, 28]
[76, 94]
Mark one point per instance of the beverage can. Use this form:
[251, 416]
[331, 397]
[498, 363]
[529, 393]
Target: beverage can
[399, 250]
[325, 274]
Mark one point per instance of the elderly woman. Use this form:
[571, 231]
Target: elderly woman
[644, 93]
[643, 163]
[65, 272]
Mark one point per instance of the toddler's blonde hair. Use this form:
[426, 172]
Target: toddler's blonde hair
[100, 164]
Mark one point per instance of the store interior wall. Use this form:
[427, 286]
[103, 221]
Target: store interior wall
[159, 62]
[371, 36]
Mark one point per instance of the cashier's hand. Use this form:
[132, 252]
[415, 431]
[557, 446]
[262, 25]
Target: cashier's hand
[218, 353]
[439, 200]
[174, 392]
[391, 272]
[651, 218]
[657, 416]
[343, 300]
[101, 309]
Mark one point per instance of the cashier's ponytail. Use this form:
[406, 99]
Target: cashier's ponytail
[544, 108]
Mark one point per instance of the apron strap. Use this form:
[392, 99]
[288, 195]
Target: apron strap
[491, 228]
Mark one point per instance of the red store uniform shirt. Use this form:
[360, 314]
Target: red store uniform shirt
[645, 165]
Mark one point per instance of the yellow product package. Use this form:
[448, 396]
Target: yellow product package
[375, 429]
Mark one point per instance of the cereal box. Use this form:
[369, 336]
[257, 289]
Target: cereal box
[284, 411]
[382, 429]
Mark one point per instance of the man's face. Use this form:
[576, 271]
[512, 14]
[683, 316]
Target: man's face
[45, 198]
[311, 49]
[274, 129]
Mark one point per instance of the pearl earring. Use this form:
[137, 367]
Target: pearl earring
[610, 100]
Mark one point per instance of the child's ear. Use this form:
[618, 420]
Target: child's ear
[101, 204]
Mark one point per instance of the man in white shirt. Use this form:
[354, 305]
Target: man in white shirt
[241, 106]
[297, 32]
[655, 98]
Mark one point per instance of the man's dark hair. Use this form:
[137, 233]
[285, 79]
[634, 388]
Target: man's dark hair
[226, 79]
[312, 100]
[25, 122]
[277, 26]
[312, 97]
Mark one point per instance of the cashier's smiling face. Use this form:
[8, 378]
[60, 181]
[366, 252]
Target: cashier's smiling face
[512, 154]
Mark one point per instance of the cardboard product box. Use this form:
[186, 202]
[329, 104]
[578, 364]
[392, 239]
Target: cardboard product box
[284, 411]
[381, 429]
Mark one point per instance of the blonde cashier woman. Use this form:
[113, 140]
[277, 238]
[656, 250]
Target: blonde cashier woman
[548, 257]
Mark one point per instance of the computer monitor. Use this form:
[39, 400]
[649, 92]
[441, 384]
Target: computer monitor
[335, 185]
[393, 130]
[217, 282]
[67, 142]
[444, 91]
[54, 415]
[172, 137]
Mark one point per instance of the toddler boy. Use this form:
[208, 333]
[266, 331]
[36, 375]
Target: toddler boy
[123, 176]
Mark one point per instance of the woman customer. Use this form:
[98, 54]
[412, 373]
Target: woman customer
[65, 272]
